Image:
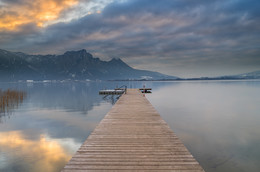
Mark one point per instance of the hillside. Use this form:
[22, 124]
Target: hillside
[74, 65]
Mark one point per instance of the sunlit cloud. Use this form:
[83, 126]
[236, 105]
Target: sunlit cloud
[42, 13]
[38, 12]
[46, 153]
[84, 8]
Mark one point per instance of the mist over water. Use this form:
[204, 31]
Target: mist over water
[217, 121]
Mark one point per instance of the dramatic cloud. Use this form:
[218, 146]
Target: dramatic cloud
[15, 13]
[177, 37]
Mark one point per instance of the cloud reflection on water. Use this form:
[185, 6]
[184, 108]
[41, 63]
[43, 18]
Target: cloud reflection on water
[42, 154]
[51, 124]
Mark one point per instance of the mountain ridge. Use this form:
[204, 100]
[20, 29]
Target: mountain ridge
[72, 65]
[81, 65]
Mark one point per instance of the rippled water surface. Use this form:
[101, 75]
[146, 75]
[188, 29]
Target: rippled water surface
[219, 122]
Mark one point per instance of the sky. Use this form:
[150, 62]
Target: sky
[184, 38]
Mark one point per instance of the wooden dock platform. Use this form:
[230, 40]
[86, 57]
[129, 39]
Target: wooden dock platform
[145, 90]
[112, 92]
[133, 137]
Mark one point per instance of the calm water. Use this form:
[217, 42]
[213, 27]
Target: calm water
[219, 122]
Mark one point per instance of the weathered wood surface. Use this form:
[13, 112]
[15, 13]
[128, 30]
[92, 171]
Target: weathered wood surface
[133, 137]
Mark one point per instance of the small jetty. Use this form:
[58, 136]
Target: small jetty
[133, 137]
[146, 90]
[111, 92]
[116, 91]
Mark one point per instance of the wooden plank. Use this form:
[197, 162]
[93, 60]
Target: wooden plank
[133, 137]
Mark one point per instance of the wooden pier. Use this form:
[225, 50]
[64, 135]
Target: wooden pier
[133, 137]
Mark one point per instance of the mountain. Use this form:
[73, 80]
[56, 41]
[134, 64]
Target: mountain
[251, 75]
[74, 65]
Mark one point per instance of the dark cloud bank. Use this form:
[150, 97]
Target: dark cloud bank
[178, 37]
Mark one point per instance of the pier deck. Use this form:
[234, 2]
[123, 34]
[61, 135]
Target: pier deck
[133, 137]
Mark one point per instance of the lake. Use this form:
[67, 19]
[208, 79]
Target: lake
[45, 123]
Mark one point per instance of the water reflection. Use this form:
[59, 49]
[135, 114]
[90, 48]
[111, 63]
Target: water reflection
[48, 154]
[51, 124]
[111, 98]
[217, 121]
[10, 100]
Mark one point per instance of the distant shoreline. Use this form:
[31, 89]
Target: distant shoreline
[194, 79]
[134, 80]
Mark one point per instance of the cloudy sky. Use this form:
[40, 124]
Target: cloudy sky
[185, 38]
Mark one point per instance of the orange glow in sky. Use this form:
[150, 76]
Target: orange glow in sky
[37, 11]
